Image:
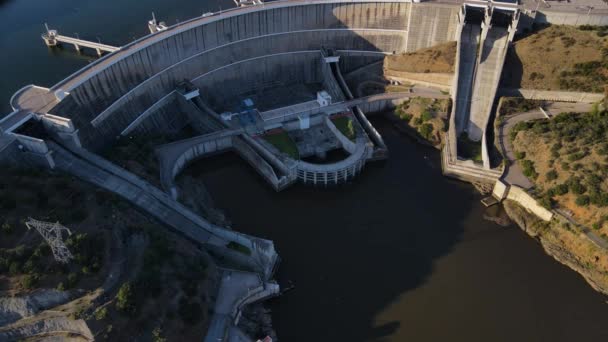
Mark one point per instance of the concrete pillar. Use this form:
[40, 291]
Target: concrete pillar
[77, 47]
[49, 41]
[98, 52]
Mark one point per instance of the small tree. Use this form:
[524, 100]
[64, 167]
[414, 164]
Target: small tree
[101, 313]
[551, 175]
[125, 299]
[426, 130]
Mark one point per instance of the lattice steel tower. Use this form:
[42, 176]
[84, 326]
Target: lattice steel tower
[53, 235]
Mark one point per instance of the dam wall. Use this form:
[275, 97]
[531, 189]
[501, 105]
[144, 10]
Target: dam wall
[257, 43]
[431, 24]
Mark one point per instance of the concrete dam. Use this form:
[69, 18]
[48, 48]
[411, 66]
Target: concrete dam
[240, 78]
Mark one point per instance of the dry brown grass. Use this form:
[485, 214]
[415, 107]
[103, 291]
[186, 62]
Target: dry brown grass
[437, 59]
[545, 54]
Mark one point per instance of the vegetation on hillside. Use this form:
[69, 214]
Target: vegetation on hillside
[164, 283]
[560, 57]
[567, 158]
[512, 105]
[428, 117]
[26, 261]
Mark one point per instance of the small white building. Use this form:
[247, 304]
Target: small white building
[323, 98]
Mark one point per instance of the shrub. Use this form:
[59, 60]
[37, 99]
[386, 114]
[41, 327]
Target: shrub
[14, 268]
[576, 187]
[520, 154]
[547, 202]
[582, 200]
[426, 115]
[72, 280]
[528, 169]
[426, 130]
[30, 281]
[101, 313]
[560, 189]
[157, 335]
[124, 299]
[406, 117]
[60, 287]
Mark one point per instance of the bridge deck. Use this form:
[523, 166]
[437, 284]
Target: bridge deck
[86, 43]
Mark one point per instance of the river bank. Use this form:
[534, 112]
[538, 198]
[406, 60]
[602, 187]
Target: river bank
[566, 245]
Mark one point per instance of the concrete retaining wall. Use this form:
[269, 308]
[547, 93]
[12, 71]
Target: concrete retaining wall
[570, 18]
[520, 196]
[441, 81]
[552, 95]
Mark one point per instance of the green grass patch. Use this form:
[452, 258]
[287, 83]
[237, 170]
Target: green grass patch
[283, 143]
[345, 125]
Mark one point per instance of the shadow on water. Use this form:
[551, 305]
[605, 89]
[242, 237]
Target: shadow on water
[351, 250]
[403, 254]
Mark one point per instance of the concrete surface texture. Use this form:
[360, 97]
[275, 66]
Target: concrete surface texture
[488, 72]
[241, 49]
[520, 196]
[469, 39]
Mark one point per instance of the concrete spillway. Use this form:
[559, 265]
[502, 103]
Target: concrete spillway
[489, 68]
[466, 70]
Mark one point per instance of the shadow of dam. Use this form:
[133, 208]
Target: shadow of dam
[403, 254]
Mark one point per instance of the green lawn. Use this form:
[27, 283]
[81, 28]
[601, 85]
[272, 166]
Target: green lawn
[283, 143]
[345, 125]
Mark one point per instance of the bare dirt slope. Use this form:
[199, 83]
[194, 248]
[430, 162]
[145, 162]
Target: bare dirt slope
[436, 59]
[557, 57]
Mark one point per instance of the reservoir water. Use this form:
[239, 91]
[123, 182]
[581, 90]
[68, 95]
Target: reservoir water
[402, 254]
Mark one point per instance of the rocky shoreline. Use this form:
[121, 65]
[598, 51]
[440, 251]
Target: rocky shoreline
[553, 246]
